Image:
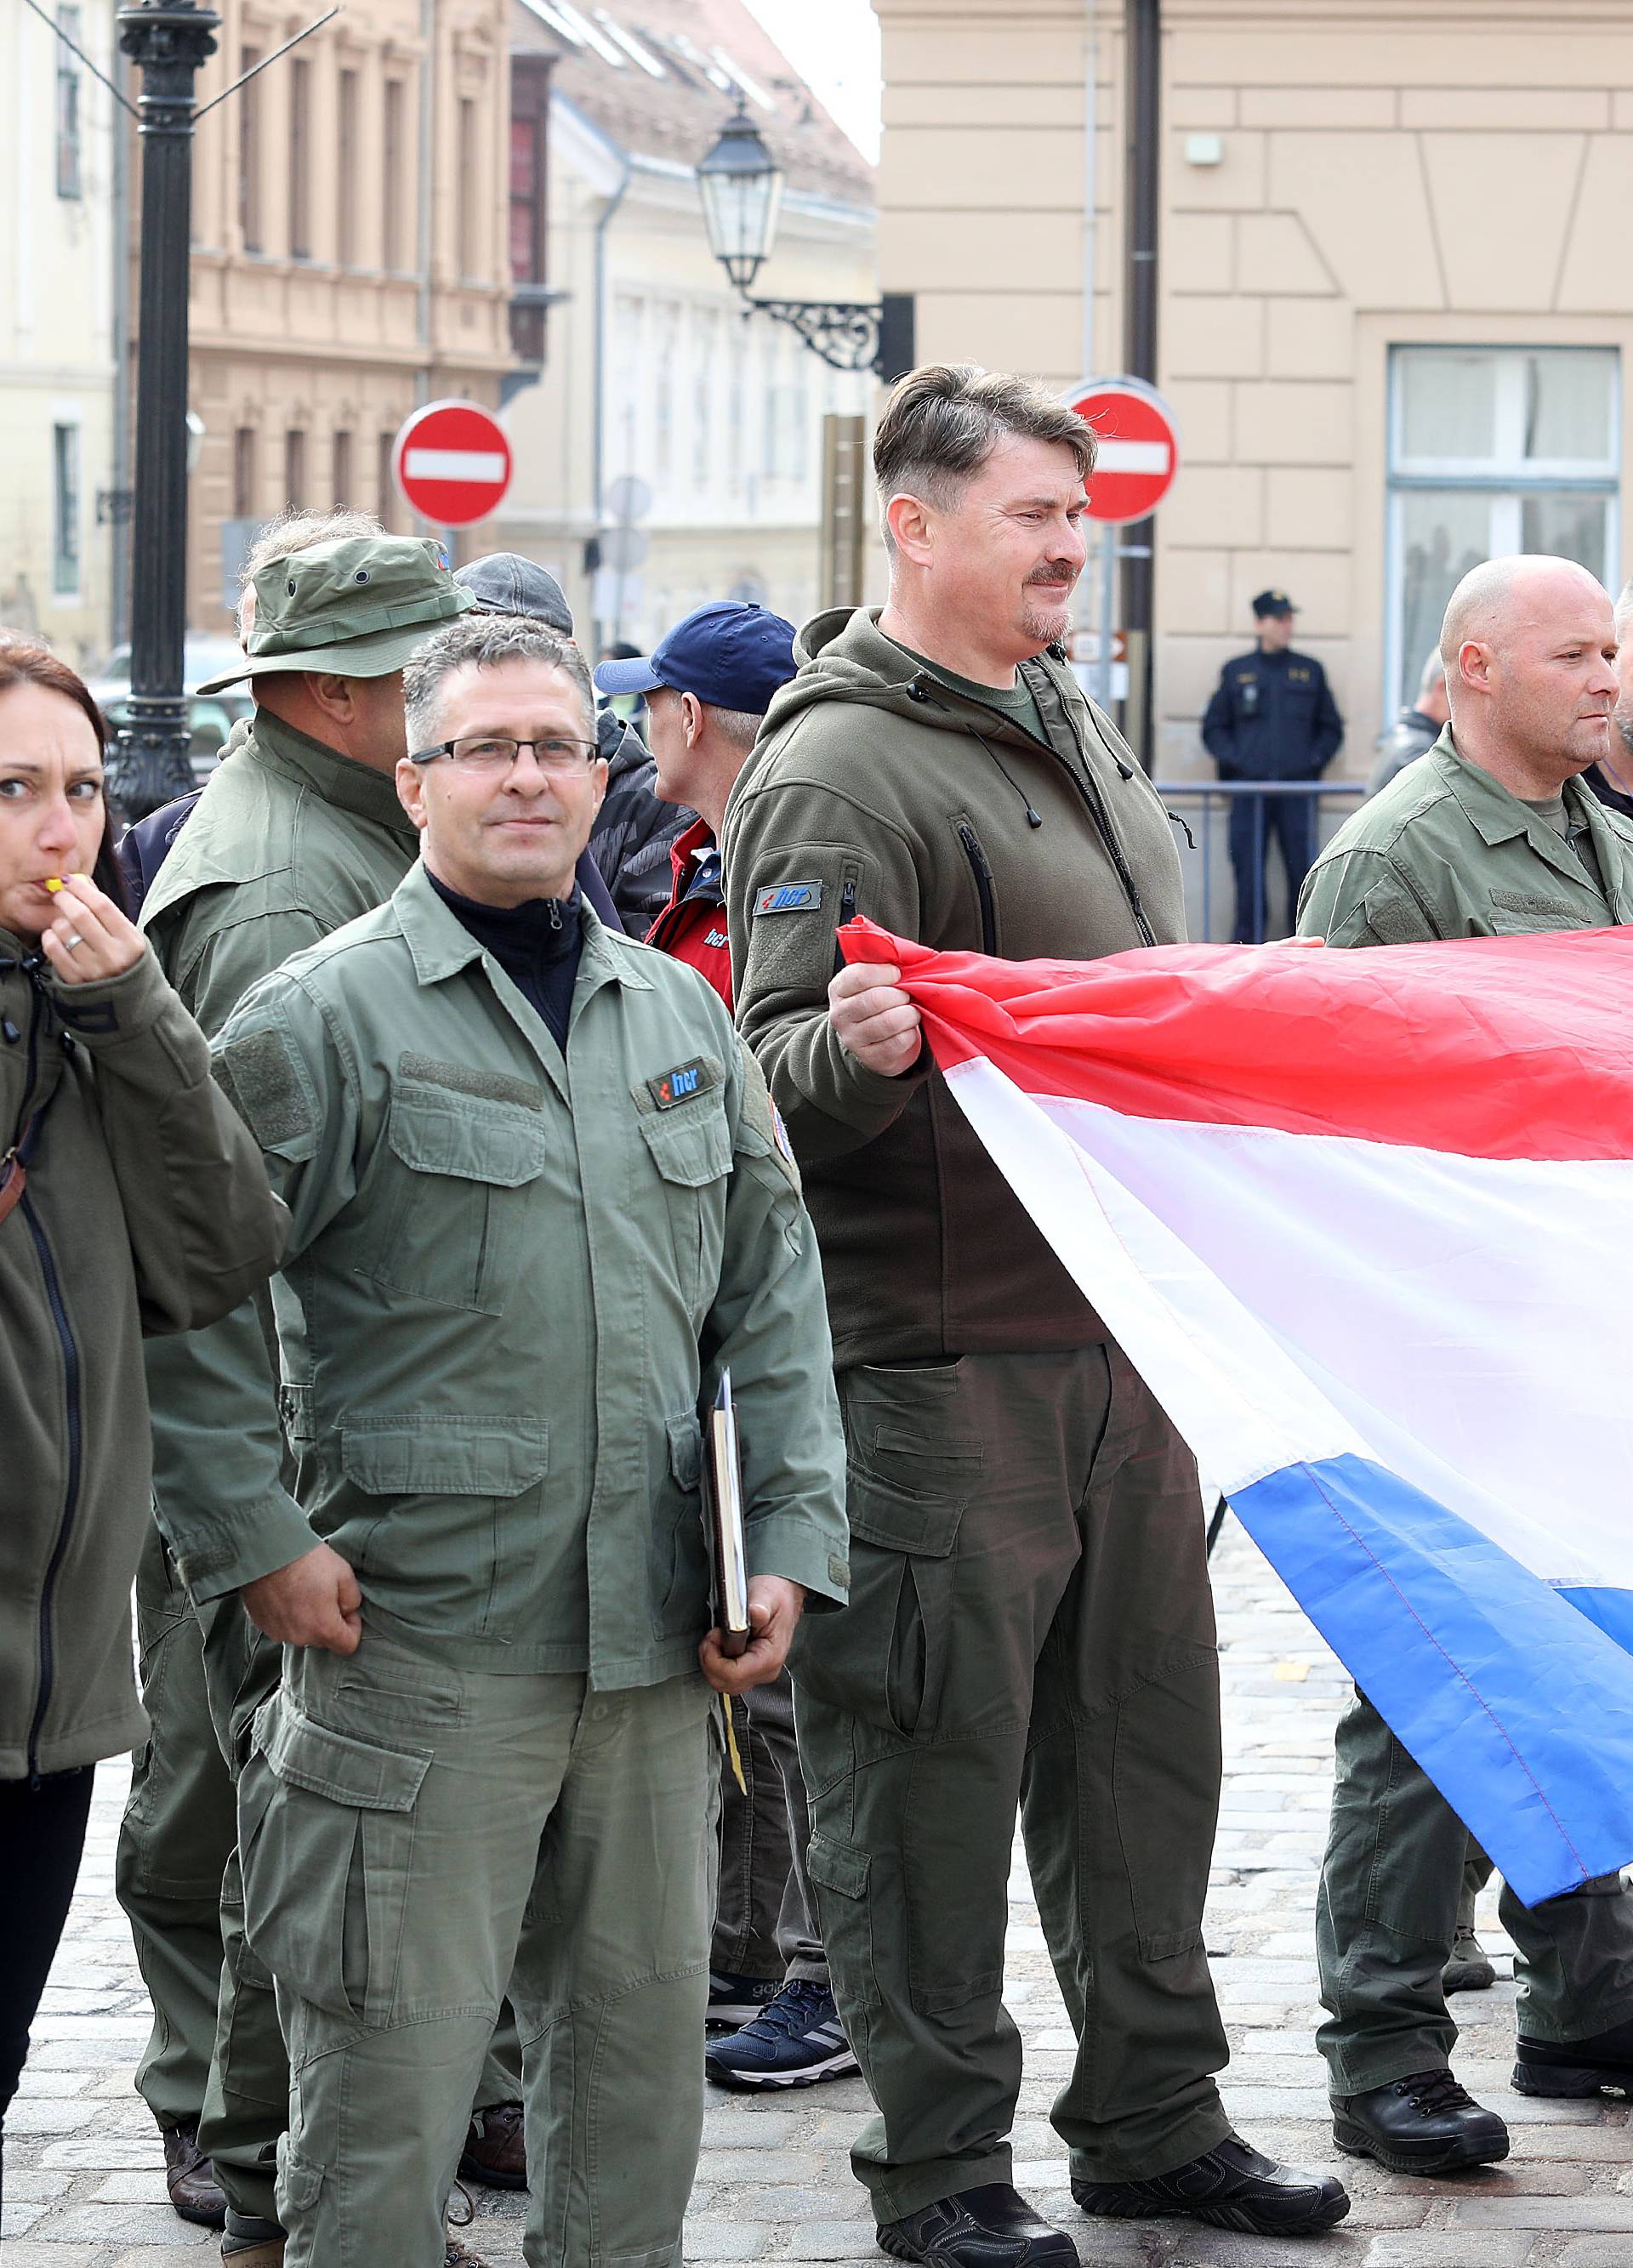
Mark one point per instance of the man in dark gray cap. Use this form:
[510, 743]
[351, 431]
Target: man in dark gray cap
[299, 829]
[631, 839]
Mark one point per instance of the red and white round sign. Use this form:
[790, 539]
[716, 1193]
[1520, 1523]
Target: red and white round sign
[451, 461]
[1139, 447]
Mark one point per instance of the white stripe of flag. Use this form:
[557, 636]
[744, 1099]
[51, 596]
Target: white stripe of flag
[1132, 457]
[454, 465]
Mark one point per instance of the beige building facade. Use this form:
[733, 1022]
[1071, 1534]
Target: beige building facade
[350, 259]
[1395, 318]
[57, 320]
[671, 453]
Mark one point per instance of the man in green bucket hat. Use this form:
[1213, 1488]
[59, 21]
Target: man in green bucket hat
[298, 830]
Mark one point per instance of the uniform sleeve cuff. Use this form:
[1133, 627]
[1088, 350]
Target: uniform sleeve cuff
[784, 1544]
[218, 1560]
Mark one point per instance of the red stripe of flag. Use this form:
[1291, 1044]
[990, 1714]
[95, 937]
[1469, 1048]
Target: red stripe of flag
[1516, 1046]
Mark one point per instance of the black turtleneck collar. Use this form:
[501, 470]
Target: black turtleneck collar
[537, 946]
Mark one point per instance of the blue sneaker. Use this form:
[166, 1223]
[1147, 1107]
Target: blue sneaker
[734, 2001]
[795, 2041]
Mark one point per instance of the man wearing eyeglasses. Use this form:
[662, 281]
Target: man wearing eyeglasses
[541, 1201]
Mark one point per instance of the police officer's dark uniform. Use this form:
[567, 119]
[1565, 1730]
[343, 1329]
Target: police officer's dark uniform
[1272, 718]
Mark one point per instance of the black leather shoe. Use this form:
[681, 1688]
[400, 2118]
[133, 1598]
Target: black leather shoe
[190, 2181]
[1572, 2067]
[993, 2227]
[1424, 2125]
[1233, 2186]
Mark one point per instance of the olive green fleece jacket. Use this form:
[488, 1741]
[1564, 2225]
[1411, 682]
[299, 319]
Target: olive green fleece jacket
[875, 789]
[146, 1209]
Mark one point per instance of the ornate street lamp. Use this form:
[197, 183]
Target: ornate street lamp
[740, 185]
[169, 40]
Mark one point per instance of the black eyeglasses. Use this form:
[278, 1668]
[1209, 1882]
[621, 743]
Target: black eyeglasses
[497, 752]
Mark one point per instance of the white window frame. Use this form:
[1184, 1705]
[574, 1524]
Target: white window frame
[1509, 478]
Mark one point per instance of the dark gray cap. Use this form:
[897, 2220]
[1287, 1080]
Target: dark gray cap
[504, 582]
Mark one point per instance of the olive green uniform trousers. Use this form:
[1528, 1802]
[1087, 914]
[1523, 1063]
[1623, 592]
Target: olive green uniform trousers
[416, 1836]
[215, 2057]
[1386, 1915]
[1030, 1622]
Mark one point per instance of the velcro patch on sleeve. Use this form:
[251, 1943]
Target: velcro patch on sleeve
[263, 1080]
[788, 898]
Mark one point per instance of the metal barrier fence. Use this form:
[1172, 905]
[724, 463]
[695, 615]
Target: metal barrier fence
[1206, 808]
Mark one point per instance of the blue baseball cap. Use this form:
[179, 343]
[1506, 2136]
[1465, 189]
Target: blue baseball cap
[730, 655]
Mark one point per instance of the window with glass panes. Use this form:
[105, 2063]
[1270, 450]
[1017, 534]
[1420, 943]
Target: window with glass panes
[1493, 450]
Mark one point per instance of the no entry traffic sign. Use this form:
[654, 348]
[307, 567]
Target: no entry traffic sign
[1139, 448]
[452, 462]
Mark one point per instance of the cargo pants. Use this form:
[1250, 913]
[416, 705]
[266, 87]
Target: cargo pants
[765, 1924]
[215, 2057]
[1030, 1623]
[416, 1837]
[1386, 1915]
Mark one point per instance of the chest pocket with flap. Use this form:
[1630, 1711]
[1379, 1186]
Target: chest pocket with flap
[690, 1146]
[455, 1174]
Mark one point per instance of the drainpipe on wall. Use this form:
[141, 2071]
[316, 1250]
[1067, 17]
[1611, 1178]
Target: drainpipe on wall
[119, 549]
[598, 473]
[1144, 32]
[427, 194]
[1087, 362]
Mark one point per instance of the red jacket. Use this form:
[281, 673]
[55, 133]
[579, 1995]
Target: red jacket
[693, 926]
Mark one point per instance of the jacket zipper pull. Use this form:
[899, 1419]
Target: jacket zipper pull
[555, 912]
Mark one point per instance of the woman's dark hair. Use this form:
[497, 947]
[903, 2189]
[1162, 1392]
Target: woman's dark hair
[24, 662]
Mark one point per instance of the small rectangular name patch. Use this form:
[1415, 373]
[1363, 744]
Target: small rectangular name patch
[679, 1084]
[788, 898]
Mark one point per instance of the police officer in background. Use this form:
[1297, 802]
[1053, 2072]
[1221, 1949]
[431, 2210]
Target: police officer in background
[1272, 718]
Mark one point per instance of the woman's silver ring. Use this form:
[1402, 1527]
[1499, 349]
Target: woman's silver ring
[73, 940]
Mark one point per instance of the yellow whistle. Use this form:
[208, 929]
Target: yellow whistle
[54, 882]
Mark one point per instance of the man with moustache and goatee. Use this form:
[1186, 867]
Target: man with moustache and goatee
[1030, 1620]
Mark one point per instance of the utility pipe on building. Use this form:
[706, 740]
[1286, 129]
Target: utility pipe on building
[598, 442]
[1144, 33]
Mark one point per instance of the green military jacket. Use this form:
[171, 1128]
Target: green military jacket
[1445, 851]
[288, 841]
[513, 1276]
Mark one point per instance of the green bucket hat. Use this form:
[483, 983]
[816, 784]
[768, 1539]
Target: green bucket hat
[359, 607]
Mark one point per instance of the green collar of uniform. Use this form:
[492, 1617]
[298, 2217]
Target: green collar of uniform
[340, 780]
[1496, 816]
[439, 945]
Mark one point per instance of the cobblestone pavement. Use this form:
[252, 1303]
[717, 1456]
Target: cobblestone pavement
[84, 2181]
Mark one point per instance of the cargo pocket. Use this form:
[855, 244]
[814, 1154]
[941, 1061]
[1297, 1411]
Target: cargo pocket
[326, 1823]
[690, 1148]
[449, 1534]
[451, 1194]
[1165, 1772]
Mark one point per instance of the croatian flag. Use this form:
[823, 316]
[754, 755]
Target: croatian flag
[1363, 1221]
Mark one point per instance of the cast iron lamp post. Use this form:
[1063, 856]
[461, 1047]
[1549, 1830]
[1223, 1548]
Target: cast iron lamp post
[169, 40]
[740, 184]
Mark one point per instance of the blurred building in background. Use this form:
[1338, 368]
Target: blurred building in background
[1393, 318]
[350, 259]
[671, 450]
[58, 319]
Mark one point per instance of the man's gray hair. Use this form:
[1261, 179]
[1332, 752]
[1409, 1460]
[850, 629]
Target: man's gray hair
[1624, 611]
[297, 531]
[479, 641]
[1434, 674]
[942, 422]
[740, 726]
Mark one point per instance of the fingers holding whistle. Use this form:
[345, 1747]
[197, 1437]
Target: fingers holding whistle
[87, 939]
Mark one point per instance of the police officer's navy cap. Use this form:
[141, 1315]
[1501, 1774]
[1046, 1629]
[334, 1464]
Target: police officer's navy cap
[1272, 602]
[358, 607]
[727, 654]
[504, 582]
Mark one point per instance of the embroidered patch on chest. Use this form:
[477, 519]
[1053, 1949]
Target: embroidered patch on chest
[679, 1084]
[788, 898]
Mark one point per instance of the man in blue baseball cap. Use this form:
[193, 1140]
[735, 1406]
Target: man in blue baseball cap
[707, 685]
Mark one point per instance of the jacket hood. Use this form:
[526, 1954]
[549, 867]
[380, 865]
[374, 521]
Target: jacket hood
[620, 743]
[843, 655]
